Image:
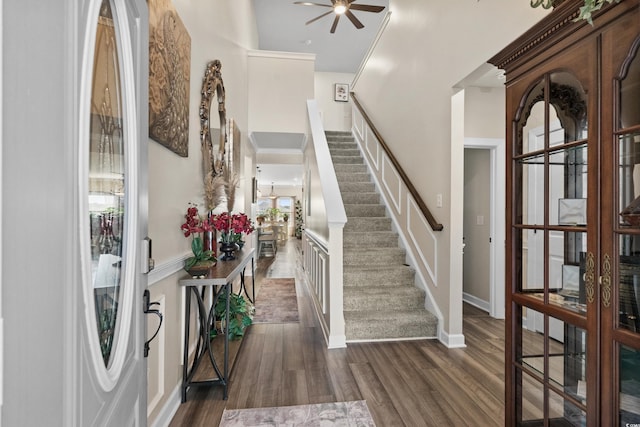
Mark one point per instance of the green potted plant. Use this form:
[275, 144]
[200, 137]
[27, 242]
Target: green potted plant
[272, 214]
[298, 219]
[240, 315]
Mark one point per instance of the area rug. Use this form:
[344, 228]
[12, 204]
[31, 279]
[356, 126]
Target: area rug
[352, 414]
[276, 301]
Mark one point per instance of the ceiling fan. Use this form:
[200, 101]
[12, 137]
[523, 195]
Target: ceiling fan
[342, 7]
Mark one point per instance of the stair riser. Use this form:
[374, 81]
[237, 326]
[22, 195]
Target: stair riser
[352, 177]
[376, 303]
[347, 160]
[345, 152]
[356, 224]
[362, 259]
[350, 168]
[342, 144]
[365, 210]
[350, 198]
[357, 187]
[368, 330]
[378, 278]
[340, 138]
[376, 239]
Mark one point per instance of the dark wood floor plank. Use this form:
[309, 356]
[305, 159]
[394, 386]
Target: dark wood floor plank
[378, 400]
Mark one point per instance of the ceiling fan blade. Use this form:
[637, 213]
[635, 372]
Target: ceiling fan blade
[354, 20]
[366, 8]
[318, 17]
[335, 24]
[308, 3]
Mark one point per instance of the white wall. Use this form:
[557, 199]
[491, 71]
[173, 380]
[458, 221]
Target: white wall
[406, 89]
[223, 30]
[484, 112]
[279, 85]
[336, 115]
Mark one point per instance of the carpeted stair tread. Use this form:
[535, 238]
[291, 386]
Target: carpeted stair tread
[373, 256]
[373, 238]
[368, 223]
[361, 187]
[346, 169]
[352, 177]
[350, 160]
[353, 198]
[361, 210]
[386, 276]
[379, 298]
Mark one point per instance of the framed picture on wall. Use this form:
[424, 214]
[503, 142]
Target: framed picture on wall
[341, 92]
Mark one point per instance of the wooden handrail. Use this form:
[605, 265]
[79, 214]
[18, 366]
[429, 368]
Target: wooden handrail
[435, 226]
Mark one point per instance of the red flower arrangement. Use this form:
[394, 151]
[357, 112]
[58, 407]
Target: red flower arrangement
[194, 225]
[232, 226]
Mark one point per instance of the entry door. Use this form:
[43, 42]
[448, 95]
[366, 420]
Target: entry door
[110, 365]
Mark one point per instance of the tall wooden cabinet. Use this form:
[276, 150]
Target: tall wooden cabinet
[573, 223]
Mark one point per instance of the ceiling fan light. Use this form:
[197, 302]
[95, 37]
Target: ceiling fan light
[340, 7]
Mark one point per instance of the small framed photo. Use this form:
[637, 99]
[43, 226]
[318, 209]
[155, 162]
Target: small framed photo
[342, 92]
[572, 211]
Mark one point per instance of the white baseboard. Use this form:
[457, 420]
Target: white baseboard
[169, 408]
[476, 302]
[452, 341]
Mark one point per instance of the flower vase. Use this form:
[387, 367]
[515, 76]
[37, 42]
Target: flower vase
[228, 249]
[209, 242]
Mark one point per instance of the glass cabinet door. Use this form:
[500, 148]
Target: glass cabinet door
[550, 171]
[620, 288]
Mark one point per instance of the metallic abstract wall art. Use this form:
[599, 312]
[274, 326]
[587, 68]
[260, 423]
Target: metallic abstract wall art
[169, 75]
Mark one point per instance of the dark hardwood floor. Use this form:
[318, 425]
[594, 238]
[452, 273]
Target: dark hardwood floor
[407, 383]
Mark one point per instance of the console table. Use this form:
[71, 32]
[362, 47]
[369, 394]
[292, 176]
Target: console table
[219, 279]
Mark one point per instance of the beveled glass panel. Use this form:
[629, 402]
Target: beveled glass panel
[629, 362]
[106, 181]
[569, 102]
[567, 358]
[567, 251]
[532, 393]
[530, 126]
[629, 282]
[629, 113]
[563, 412]
[568, 186]
[532, 357]
[532, 261]
[530, 207]
[629, 180]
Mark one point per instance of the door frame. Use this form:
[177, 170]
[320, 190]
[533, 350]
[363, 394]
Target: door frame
[496, 147]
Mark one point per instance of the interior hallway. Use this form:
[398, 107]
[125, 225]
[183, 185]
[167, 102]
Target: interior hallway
[408, 383]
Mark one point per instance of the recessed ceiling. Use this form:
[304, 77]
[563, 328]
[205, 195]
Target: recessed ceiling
[281, 27]
[281, 175]
[280, 142]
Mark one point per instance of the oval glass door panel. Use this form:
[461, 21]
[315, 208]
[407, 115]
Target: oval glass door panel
[106, 182]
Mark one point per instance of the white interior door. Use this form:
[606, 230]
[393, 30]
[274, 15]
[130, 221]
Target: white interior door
[535, 240]
[111, 377]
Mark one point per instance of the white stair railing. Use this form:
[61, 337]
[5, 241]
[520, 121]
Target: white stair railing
[325, 218]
